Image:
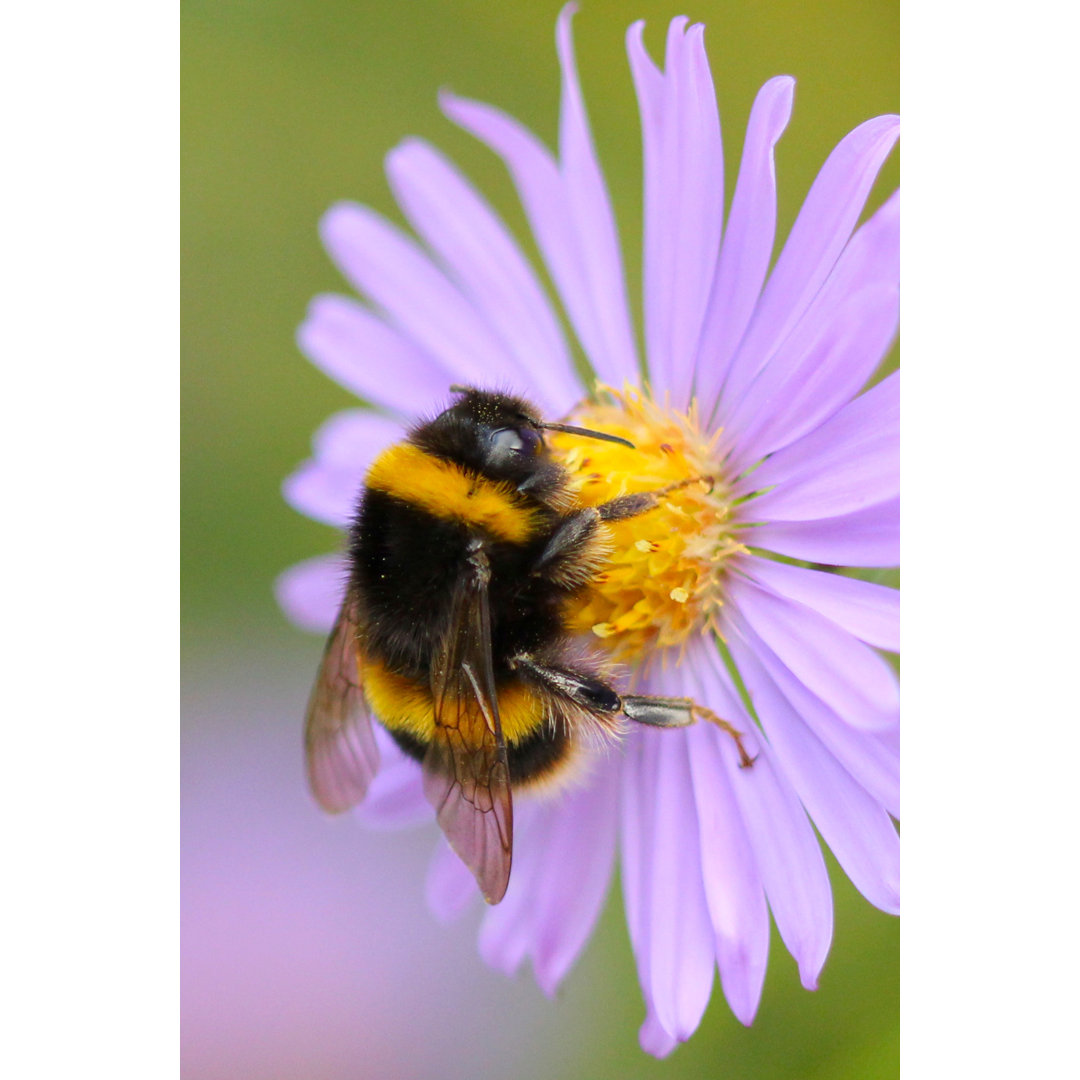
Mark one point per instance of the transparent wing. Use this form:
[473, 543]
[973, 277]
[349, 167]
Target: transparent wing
[339, 743]
[466, 776]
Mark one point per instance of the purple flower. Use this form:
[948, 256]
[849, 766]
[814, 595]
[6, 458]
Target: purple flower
[757, 375]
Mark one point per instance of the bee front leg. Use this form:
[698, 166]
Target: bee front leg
[575, 550]
[679, 712]
[640, 502]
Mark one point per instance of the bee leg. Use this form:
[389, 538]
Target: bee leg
[575, 550]
[679, 712]
[628, 506]
[585, 690]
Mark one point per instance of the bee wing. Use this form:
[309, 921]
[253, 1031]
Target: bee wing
[339, 744]
[466, 776]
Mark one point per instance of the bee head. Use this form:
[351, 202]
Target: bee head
[498, 435]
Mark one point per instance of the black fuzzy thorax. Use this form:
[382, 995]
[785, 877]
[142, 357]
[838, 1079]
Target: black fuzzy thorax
[407, 565]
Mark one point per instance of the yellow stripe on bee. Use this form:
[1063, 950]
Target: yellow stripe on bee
[445, 490]
[403, 705]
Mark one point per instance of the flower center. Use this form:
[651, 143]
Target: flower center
[664, 578]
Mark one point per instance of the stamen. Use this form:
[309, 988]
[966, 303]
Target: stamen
[664, 581]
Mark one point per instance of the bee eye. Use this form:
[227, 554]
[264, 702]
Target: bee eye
[508, 444]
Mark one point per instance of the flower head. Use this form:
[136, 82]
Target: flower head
[753, 413]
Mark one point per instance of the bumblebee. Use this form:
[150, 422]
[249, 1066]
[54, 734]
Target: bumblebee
[467, 546]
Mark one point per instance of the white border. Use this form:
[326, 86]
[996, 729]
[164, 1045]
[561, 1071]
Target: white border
[90, 694]
[990, 601]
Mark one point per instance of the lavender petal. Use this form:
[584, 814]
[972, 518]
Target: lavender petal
[786, 851]
[489, 267]
[867, 537]
[666, 907]
[818, 236]
[326, 487]
[357, 349]
[450, 887]
[853, 824]
[395, 798]
[684, 196]
[811, 377]
[593, 220]
[576, 872]
[846, 674]
[418, 298]
[852, 461]
[870, 612]
[733, 887]
[747, 244]
[834, 349]
[310, 593]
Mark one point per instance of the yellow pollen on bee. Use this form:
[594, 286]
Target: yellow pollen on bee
[664, 580]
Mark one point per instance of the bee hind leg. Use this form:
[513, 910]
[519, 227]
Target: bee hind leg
[679, 712]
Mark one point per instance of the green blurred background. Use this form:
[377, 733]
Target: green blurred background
[287, 107]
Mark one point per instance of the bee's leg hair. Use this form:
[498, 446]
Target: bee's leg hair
[628, 506]
[585, 690]
[569, 545]
[679, 712]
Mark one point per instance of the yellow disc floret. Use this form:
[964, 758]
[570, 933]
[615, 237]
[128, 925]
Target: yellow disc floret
[664, 578]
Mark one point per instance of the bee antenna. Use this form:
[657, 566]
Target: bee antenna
[602, 435]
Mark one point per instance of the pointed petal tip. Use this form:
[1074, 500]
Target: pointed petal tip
[565, 17]
[406, 148]
[546, 980]
[654, 1040]
[811, 960]
[745, 1012]
[888, 124]
[781, 84]
[342, 210]
[495, 954]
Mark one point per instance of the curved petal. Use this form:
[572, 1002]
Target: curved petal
[310, 593]
[852, 461]
[733, 887]
[863, 753]
[809, 380]
[846, 674]
[486, 262]
[450, 887]
[870, 612]
[577, 865]
[818, 236]
[666, 908]
[506, 934]
[357, 349]
[353, 438]
[428, 309]
[327, 487]
[786, 851]
[395, 797]
[593, 221]
[569, 213]
[748, 241]
[323, 494]
[835, 348]
[652, 1037]
[868, 537]
[684, 201]
[854, 825]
